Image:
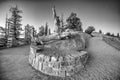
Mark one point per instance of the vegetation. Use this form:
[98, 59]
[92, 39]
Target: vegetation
[118, 35]
[100, 31]
[108, 34]
[73, 22]
[28, 32]
[90, 29]
[46, 29]
[2, 37]
[15, 22]
[41, 31]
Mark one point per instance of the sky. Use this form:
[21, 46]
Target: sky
[102, 14]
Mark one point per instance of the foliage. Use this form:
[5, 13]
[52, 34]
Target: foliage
[28, 31]
[90, 29]
[112, 35]
[49, 31]
[46, 29]
[15, 22]
[118, 35]
[108, 34]
[41, 31]
[100, 31]
[73, 22]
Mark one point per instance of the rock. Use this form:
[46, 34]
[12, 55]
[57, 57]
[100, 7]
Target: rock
[40, 66]
[53, 58]
[41, 57]
[46, 58]
[36, 63]
[76, 42]
[62, 73]
[56, 65]
[61, 58]
[33, 62]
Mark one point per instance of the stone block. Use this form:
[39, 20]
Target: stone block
[64, 63]
[53, 58]
[56, 65]
[41, 57]
[54, 72]
[32, 50]
[47, 70]
[30, 59]
[62, 73]
[83, 58]
[60, 58]
[69, 70]
[77, 61]
[72, 62]
[47, 58]
[32, 54]
[36, 63]
[45, 64]
[78, 68]
[70, 59]
[40, 66]
[50, 64]
[33, 62]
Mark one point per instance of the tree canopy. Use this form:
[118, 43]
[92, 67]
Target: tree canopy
[73, 22]
[90, 29]
[15, 22]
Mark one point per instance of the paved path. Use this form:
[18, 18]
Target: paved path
[14, 64]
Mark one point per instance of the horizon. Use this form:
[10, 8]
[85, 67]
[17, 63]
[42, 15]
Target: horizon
[103, 15]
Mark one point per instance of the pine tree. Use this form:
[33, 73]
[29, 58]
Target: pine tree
[34, 31]
[46, 29]
[41, 31]
[49, 31]
[118, 35]
[15, 21]
[100, 31]
[27, 33]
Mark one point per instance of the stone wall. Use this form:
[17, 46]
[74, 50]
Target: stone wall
[57, 66]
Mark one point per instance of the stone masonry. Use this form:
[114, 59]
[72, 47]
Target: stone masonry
[61, 66]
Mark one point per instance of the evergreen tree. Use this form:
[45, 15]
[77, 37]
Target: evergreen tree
[100, 31]
[41, 31]
[34, 31]
[15, 21]
[90, 29]
[46, 29]
[108, 34]
[112, 35]
[27, 33]
[49, 31]
[118, 35]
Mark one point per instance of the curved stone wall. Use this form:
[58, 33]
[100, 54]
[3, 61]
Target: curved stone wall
[57, 66]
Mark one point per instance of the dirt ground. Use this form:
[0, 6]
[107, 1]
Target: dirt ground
[103, 64]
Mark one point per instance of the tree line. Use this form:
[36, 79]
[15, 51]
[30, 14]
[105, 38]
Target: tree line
[12, 30]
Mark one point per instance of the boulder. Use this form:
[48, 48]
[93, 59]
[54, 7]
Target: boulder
[61, 57]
